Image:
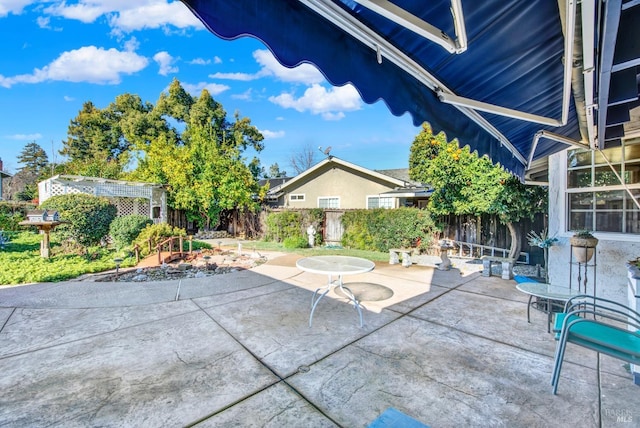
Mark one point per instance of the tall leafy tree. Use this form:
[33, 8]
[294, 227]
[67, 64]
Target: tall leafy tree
[467, 184]
[204, 177]
[184, 141]
[99, 141]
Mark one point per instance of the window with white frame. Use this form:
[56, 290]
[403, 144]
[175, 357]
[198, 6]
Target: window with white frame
[379, 202]
[299, 197]
[596, 199]
[328, 202]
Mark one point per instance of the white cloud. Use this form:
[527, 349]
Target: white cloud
[213, 88]
[243, 77]
[131, 45]
[304, 73]
[87, 64]
[68, 98]
[24, 137]
[217, 60]
[155, 14]
[165, 61]
[125, 16]
[43, 22]
[200, 61]
[270, 67]
[245, 96]
[331, 104]
[84, 11]
[333, 116]
[13, 6]
[270, 135]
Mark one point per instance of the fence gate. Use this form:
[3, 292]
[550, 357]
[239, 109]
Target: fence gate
[333, 229]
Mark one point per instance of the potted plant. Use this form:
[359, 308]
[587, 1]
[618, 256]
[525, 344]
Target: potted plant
[583, 244]
[544, 241]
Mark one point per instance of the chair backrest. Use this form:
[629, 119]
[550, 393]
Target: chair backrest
[602, 325]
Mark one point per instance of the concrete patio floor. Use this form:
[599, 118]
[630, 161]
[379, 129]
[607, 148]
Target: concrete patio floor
[446, 348]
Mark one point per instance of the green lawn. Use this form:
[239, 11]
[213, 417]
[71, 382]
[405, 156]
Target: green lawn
[21, 263]
[20, 260]
[375, 256]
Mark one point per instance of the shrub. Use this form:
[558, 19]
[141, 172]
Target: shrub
[283, 224]
[13, 207]
[292, 242]
[12, 213]
[87, 218]
[381, 229]
[10, 221]
[156, 233]
[123, 230]
[292, 224]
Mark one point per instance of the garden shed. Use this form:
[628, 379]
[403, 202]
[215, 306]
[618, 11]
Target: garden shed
[129, 197]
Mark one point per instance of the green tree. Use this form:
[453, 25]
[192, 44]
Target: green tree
[274, 172]
[216, 177]
[204, 177]
[35, 162]
[99, 141]
[467, 184]
[33, 158]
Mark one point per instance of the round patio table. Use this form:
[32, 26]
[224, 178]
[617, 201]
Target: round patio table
[554, 295]
[334, 266]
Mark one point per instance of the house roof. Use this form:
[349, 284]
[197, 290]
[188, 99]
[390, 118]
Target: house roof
[272, 182]
[401, 174]
[332, 159]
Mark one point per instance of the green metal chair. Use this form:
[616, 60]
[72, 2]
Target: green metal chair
[599, 324]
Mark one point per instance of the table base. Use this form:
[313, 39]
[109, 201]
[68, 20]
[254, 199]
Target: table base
[547, 307]
[315, 299]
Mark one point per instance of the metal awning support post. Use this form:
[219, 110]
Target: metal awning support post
[626, 187]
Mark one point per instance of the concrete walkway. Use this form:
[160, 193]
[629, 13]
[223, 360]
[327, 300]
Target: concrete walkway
[447, 349]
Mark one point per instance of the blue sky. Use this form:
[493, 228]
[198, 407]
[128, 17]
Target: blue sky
[58, 54]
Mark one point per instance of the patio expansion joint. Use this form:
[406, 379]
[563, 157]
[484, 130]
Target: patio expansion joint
[456, 288]
[91, 336]
[239, 291]
[279, 379]
[13, 311]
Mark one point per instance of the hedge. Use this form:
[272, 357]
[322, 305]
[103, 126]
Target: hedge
[381, 229]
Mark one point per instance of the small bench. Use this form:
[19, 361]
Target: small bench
[507, 266]
[395, 254]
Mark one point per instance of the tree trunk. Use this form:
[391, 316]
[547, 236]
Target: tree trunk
[514, 251]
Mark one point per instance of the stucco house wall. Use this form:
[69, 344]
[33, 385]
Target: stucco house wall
[612, 252]
[352, 188]
[349, 186]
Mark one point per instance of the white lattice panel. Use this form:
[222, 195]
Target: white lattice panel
[125, 206]
[128, 197]
[143, 208]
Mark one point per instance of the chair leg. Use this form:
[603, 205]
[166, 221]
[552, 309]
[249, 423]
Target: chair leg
[555, 380]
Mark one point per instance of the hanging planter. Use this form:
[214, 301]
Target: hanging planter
[583, 245]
